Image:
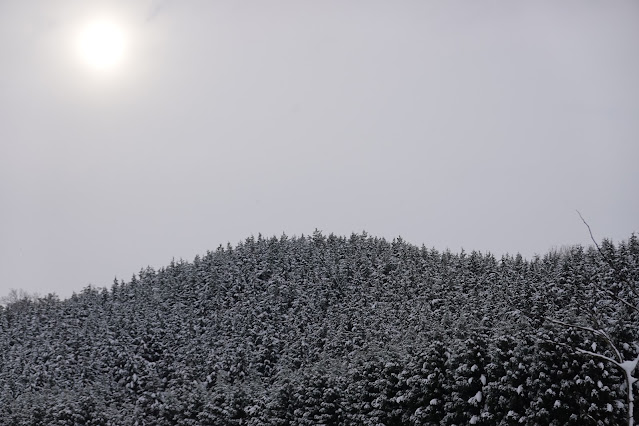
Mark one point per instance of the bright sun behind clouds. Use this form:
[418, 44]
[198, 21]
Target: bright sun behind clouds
[101, 45]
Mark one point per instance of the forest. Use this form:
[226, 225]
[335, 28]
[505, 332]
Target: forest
[335, 330]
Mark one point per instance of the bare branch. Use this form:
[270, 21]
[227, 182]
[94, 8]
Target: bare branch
[590, 353]
[619, 299]
[603, 256]
[595, 354]
[612, 345]
[596, 332]
[590, 232]
[565, 324]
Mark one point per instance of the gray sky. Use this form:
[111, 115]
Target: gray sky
[475, 124]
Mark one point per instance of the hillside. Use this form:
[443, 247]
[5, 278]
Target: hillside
[333, 330]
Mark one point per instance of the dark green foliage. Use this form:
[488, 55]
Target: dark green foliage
[328, 330]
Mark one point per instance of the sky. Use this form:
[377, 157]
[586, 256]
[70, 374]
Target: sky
[481, 125]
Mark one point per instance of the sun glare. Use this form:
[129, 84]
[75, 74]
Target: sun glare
[101, 45]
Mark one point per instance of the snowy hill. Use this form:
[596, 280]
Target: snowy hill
[333, 330]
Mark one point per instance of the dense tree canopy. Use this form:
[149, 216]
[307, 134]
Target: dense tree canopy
[332, 330]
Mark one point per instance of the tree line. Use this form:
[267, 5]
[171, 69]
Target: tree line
[334, 330]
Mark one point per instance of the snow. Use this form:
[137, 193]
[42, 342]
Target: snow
[249, 347]
[476, 399]
[629, 366]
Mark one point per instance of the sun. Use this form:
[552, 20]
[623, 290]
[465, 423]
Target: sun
[101, 45]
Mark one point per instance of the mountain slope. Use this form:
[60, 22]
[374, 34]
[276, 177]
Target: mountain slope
[326, 330]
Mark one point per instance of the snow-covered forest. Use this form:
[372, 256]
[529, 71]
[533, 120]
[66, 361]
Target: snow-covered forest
[334, 330]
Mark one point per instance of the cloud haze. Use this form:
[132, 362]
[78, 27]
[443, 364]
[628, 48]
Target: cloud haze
[481, 125]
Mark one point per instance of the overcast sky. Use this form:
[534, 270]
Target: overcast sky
[474, 124]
